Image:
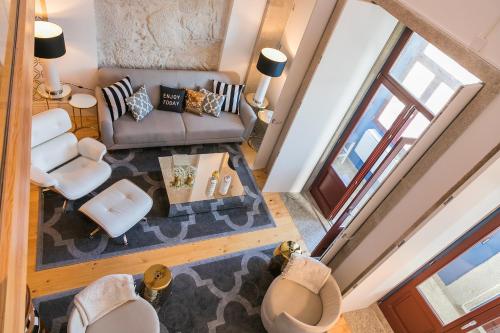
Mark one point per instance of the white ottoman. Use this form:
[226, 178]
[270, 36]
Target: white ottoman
[118, 208]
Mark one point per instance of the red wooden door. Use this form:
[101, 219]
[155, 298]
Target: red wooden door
[451, 294]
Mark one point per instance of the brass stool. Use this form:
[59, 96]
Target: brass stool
[281, 255]
[157, 284]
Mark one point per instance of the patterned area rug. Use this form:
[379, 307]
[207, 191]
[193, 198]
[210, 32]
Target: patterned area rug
[219, 295]
[63, 238]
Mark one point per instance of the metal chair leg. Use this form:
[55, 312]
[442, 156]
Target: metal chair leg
[94, 232]
[125, 240]
[65, 205]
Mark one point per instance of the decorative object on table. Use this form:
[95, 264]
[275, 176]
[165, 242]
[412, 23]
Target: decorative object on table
[264, 118]
[115, 95]
[212, 183]
[49, 45]
[212, 103]
[139, 104]
[233, 94]
[157, 284]
[184, 176]
[224, 185]
[80, 102]
[281, 255]
[172, 99]
[194, 102]
[271, 63]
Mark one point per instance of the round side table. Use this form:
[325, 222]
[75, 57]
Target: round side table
[157, 284]
[82, 101]
[264, 118]
[66, 92]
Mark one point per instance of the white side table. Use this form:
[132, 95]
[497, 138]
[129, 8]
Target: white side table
[80, 102]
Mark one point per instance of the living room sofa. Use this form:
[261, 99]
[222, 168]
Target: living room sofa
[164, 128]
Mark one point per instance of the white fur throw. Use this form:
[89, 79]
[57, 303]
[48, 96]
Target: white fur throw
[103, 296]
[306, 271]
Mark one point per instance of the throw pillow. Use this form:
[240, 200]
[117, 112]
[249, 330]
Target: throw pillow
[212, 103]
[232, 93]
[115, 96]
[139, 104]
[171, 99]
[194, 102]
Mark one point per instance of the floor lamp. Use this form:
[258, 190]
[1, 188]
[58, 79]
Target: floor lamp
[271, 63]
[49, 45]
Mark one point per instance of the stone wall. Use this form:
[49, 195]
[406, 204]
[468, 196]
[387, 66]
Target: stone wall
[173, 34]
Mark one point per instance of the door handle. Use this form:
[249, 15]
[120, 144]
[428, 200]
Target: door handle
[469, 325]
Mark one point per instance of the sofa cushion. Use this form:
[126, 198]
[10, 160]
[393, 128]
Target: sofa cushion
[158, 126]
[228, 125]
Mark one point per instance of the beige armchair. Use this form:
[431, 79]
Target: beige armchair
[290, 308]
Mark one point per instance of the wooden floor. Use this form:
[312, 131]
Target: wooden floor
[64, 278]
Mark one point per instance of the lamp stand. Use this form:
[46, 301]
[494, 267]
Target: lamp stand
[52, 84]
[260, 94]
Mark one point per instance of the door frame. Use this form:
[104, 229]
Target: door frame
[409, 287]
[383, 78]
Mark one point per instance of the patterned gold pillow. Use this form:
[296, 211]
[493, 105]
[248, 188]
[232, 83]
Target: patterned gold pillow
[194, 102]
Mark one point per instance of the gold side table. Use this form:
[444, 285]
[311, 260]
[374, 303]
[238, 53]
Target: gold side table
[281, 255]
[157, 284]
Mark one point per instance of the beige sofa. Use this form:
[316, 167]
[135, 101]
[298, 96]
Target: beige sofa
[164, 128]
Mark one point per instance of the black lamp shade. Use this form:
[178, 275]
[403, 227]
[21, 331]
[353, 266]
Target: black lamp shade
[271, 62]
[49, 40]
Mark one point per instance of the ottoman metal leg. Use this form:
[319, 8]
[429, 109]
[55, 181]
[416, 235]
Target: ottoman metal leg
[125, 240]
[94, 232]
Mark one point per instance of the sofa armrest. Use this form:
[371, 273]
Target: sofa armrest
[248, 117]
[104, 117]
[91, 149]
[41, 178]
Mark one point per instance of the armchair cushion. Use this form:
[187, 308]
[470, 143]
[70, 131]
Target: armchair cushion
[91, 149]
[80, 177]
[299, 302]
[41, 178]
[55, 152]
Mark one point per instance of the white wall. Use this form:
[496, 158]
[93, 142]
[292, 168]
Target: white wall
[476, 24]
[301, 37]
[242, 32]
[471, 204]
[77, 18]
[347, 60]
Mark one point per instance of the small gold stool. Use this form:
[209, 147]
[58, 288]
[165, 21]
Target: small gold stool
[281, 255]
[157, 284]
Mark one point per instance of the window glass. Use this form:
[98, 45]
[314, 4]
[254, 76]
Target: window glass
[428, 74]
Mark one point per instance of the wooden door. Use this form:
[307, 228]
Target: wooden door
[455, 292]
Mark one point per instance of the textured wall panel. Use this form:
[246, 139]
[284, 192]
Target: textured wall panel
[173, 34]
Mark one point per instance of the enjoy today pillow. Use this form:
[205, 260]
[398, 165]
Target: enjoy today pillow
[171, 99]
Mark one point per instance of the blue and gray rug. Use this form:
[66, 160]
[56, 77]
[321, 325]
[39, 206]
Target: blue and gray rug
[221, 295]
[63, 237]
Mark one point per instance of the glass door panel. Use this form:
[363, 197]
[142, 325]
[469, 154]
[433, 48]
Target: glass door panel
[428, 74]
[467, 282]
[380, 114]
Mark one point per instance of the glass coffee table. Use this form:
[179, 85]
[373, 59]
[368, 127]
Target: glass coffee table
[200, 167]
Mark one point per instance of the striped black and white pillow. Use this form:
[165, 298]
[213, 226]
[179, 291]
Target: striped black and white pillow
[232, 92]
[115, 96]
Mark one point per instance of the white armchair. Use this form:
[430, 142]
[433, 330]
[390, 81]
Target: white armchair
[62, 164]
[290, 308]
